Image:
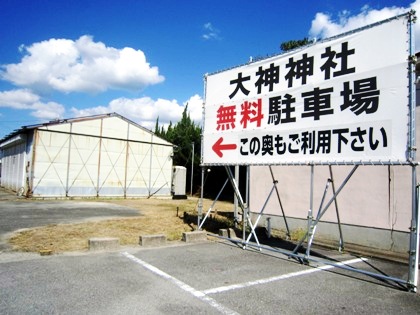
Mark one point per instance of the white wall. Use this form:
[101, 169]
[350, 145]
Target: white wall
[13, 164]
[101, 157]
[374, 207]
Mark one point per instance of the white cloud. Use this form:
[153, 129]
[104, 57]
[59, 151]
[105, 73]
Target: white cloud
[145, 110]
[210, 32]
[325, 25]
[18, 99]
[24, 99]
[47, 111]
[195, 108]
[80, 66]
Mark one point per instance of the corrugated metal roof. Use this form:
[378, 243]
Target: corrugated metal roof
[25, 129]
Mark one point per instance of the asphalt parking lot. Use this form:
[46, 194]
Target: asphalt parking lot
[207, 278]
[214, 277]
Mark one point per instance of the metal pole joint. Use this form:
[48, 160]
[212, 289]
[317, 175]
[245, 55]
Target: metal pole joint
[412, 18]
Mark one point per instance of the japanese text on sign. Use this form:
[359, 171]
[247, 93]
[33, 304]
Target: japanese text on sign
[330, 102]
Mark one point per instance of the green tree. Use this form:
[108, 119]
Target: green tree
[185, 135]
[157, 128]
[292, 44]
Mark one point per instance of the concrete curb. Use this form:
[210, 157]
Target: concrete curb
[194, 237]
[104, 243]
[228, 233]
[152, 240]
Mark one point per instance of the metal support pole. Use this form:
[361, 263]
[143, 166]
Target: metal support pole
[98, 184]
[245, 209]
[235, 187]
[341, 241]
[413, 272]
[311, 203]
[240, 200]
[281, 205]
[318, 217]
[150, 169]
[415, 245]
[200, 202]
[235, 199]
[192, 168]
[127, 154]
[68, 161]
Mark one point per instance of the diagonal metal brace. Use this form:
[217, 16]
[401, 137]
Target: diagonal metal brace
[212, 205]
[253, 226]
[327, 206]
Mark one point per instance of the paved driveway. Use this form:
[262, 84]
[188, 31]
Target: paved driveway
[17, 213]
[207, 278]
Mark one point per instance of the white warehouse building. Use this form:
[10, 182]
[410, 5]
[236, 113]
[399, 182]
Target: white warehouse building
[96, 156]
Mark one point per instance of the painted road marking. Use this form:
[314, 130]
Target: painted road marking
[281, 277]
[198, 294]
[203, 295]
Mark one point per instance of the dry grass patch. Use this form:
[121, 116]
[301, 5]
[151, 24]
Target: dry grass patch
[157, 216]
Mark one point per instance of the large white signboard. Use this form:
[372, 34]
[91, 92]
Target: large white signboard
[342, 100]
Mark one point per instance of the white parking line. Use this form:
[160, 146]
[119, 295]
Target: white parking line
[198, 294]
[203, 295]
[277, 278]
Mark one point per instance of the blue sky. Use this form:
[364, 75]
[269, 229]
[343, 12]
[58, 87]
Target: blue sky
[147, 59]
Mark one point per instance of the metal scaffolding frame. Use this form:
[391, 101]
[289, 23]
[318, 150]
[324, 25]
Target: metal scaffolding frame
[312, 220]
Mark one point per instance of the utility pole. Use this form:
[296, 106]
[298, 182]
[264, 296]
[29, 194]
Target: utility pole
[192, 168]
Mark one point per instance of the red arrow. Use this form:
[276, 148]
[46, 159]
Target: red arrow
[218, 147]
